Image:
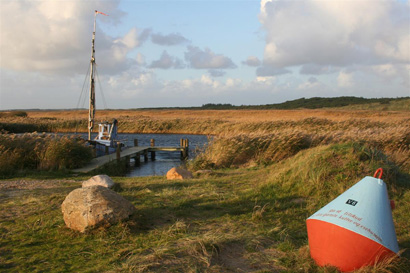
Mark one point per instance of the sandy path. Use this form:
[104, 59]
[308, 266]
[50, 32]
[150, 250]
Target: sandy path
[32, 184]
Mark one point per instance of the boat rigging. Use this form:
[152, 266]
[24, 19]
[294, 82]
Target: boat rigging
[107, 132]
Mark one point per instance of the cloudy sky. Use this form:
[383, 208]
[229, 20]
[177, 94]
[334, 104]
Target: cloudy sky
[189, 53]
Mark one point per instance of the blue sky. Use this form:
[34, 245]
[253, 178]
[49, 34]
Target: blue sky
[189, 53]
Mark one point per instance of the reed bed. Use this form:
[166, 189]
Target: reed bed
[198, 121]
[32, 151]
[272, 143]
[246, 137]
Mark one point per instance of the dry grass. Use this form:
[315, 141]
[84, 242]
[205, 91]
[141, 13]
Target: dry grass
[250, 218]
[33, 151]
[231, 115]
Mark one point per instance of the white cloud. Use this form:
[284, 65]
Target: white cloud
[314, 69]
[267, 70]
[133, 38]
[311, 83]
[55, 36]
[345, 79]
[216, 73]
[167, 61]
[252, 61]
[335, 33]
[168, 40]
[206, 59]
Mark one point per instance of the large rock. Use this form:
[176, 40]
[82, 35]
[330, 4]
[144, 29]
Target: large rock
[99, 180]
[90, 207]
[178, 173]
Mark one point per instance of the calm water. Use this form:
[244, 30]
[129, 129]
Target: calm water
[163, 160]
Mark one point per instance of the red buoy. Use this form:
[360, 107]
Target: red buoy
[355, 229]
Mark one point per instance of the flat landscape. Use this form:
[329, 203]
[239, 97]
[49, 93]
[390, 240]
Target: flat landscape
[267, 171]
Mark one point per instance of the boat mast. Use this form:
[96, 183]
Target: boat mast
[91, 109]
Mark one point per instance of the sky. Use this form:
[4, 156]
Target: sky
[189, 53]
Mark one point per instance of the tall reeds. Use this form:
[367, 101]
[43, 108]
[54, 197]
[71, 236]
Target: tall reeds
[33, 151]
[267, 143]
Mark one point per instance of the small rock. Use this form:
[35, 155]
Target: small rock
[178, 173]
[86, 208]
[99, 180]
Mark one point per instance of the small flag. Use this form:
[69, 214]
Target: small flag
[99, 12]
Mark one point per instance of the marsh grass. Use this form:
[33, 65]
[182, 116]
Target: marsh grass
[270, 171]
[41, 152]
[231, 220]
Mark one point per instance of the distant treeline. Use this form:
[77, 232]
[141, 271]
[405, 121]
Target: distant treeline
[311, 103]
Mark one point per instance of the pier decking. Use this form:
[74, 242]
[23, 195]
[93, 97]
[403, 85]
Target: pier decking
[133, 152]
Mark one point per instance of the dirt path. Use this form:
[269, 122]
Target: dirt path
[32, 184]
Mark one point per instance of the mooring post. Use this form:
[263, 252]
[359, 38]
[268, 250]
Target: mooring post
[135, 142]
[137, 159]
[184, 146]
[181, 143]
[107, 150]
[146, 155]
[118, 151]
[152, 152]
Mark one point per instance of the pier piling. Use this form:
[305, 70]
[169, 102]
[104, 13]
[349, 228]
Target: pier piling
[135, 152]
[152, 152]
[118, 151]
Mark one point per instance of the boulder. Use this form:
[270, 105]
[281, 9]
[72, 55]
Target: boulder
[99, 180]
[178, 173]
[86, 208]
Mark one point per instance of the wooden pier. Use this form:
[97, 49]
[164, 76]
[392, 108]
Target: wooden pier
[134, 152]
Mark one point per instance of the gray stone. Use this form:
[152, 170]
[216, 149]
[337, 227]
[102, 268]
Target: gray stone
[99, 180]
[86, 208]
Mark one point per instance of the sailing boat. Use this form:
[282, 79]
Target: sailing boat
[105, 141]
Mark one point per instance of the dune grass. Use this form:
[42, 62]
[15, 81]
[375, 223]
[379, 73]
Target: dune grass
[230, 220]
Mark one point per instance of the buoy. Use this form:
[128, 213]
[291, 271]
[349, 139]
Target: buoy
[355, 229]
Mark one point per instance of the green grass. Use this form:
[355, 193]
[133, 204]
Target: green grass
[231, 220]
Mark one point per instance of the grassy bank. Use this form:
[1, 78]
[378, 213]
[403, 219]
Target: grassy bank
[232, 220]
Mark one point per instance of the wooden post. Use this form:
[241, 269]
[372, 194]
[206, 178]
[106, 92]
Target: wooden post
[181, 143]
[135, 142]
[127, 161]
[152, 152]
[118, 151]
[107, 150]
[137, 159]
[184, 154]
[146, 155]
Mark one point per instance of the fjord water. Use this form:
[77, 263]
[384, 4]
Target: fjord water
[163, 160]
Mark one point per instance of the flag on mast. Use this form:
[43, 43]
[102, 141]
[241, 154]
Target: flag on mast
[99, 12]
